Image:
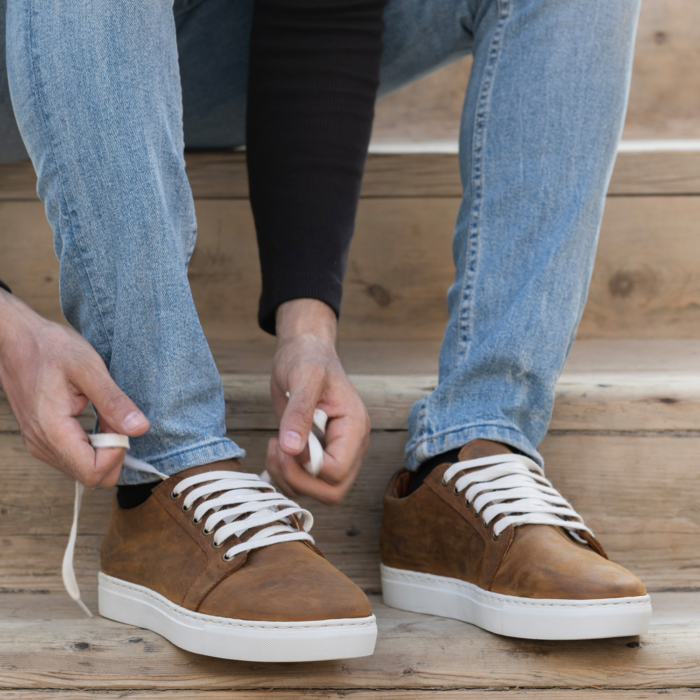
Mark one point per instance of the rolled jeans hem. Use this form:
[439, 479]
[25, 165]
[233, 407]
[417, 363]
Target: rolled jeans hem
[428, 447]
[203, 452]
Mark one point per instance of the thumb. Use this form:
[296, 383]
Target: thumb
[298, 418]
[113, 405]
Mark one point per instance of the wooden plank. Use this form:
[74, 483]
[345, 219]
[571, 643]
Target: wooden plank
[640, 288]
[631, 401]
[663, 100]
[640, 496]
[413, 652]
[362, 694]
[666, 82]
[645, 282]
[223, 175]
[383, 301]
[660, 172]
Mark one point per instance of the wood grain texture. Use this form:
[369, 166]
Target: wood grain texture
[45, 650]
[223, 175]
[664, 99]
[640, 495]
[607, 385]
[665, 94]
[400, 268]
[365, 694]
[645, 282]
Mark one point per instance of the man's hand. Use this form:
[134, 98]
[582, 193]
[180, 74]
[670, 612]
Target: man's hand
[50, 373]
[306, 365]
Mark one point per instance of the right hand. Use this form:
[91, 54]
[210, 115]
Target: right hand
[50, 374]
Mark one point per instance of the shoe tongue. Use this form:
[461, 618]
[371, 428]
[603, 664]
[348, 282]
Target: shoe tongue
[482, 448]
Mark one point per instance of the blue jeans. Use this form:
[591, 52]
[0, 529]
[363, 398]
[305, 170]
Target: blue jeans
[101, 91]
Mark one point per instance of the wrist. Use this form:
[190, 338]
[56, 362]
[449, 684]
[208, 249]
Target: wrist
[306, 317]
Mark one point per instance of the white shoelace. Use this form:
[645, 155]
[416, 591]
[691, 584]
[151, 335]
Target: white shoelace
[242, 502]
[318, 432]
[515, 487]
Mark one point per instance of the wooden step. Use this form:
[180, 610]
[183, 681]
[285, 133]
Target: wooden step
[645, 282]
[607, 385]
[663, 99]
[636, 486]
[47, 643]
[638, 493]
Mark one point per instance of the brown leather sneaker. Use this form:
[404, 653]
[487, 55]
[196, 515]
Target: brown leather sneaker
[221, 564]
[489, 541]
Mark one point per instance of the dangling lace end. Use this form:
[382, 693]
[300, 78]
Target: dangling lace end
[69, 580]
[85, 608]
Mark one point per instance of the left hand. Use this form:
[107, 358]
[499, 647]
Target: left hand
[307, 366]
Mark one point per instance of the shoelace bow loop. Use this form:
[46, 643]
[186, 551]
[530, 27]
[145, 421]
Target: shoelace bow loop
[513, 486]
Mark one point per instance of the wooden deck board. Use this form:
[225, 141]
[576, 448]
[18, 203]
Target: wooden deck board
[223, 175]
[606, 385]
[49, 648]
[645, 282]
[640, 495]
[364, 694]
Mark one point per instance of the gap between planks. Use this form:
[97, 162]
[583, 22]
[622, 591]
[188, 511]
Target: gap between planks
[363, 694]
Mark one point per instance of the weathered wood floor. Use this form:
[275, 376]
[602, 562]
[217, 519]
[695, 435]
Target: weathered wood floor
[636, 484]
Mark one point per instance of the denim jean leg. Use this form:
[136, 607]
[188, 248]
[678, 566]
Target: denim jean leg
[542, 118]
[213, 39]
[96, 90]
[11, 146]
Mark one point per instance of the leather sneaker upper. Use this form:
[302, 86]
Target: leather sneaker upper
[236, 552]
[444, 528]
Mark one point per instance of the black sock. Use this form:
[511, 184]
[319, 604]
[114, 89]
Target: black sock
[423, 471]
[134, 494]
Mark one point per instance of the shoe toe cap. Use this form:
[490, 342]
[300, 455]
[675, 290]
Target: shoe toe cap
[545, 563]
[286, 582]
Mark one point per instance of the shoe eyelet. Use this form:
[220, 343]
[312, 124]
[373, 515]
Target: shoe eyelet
[206, 532]
[455, 491]
[494, 537]
[196, 521]
[185, 508]
[216, 546]
[174, 496]
[227, 559]
[443, 482]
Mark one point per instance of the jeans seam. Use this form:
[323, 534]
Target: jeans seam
[477, 178]
[202, 445]
[35, 72]
[500, 428]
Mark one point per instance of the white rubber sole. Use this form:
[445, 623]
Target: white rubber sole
[527, 618]
[226, 638]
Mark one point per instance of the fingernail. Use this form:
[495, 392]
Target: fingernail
[134, 420]
[292, 440]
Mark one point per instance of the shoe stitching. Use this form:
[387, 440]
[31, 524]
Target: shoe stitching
[222, 621]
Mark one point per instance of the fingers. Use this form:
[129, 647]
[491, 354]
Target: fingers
[346, 442]
[112, 404]
[298, 416]
[293, 480]
[71, 452]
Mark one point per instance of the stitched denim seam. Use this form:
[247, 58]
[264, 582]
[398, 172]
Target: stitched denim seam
[35, 72]
[207, 444]
[501, 428]
[477, 176]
